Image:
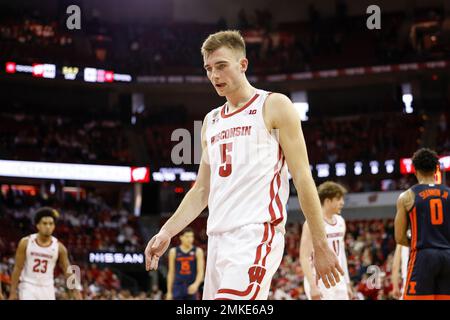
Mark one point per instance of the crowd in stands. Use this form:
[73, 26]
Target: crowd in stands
[64, 139]
[368, 243]
[84, 225]
[443, 134]
[90, 224]
[362, 138]
[173, 48]
[345, 139]
[338, 139]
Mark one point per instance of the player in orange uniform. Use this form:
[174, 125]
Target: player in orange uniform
[186, 268]
[426, 207]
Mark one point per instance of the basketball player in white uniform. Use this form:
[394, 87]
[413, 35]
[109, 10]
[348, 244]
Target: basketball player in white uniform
[243, 178]
[399, 265]
[36, 258]
[331, 195]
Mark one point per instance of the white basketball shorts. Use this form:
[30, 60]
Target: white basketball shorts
[241, 263]
[28, 291]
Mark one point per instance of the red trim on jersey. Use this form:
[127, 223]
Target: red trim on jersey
[237, 292]
[427, 297]
[257, 258]
[413, 252]
[36, 241]
[277, 172]
[222, 111]
[258, 250]
[269, 247]
[413, 217]
[272, 195]
[277, 198]
[330, 224]
[256, 293]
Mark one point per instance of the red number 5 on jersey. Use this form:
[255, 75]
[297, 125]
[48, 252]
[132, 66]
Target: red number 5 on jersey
[225, 154]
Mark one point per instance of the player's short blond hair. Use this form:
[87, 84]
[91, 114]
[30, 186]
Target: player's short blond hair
[330, 190]
[230, 39]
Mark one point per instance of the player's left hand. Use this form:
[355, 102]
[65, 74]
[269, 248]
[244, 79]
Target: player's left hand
[155, 249]
[327, 265]
[192, 289]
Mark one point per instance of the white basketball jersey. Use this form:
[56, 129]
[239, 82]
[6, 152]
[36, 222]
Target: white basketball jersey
[249, 177]
[39, 262]
[336, 241]
[336, 236]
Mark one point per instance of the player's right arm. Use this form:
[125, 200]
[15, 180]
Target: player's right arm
[171, 274]
[193, 203]
[395, 277]
[18, 266]
[281, 115]
[401, 218]
[306, 251]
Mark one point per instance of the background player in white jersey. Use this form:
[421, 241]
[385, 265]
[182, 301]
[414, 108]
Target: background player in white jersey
[36, 257]
[331, 196]
[399, 266]
[246, 196]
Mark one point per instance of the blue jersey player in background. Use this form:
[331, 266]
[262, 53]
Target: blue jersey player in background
[425, 207]
[186, 268]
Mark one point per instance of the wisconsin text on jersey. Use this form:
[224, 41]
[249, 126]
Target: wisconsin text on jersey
[231, 133]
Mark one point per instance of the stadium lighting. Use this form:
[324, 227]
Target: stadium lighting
[374, 167]
[302, 109]
[407, 100]
[407, 97]
[73, 171]
[323, 170]
[341, 170]
[358, 168]
[300, 100]
[389, 164]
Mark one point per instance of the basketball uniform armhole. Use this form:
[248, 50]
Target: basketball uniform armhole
[209, 118]
[414, 200]
[412, 208]
[261, 118]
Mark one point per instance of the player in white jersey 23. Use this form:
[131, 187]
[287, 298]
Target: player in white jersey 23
[36, 257]
[331, 196]
[243, 179]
